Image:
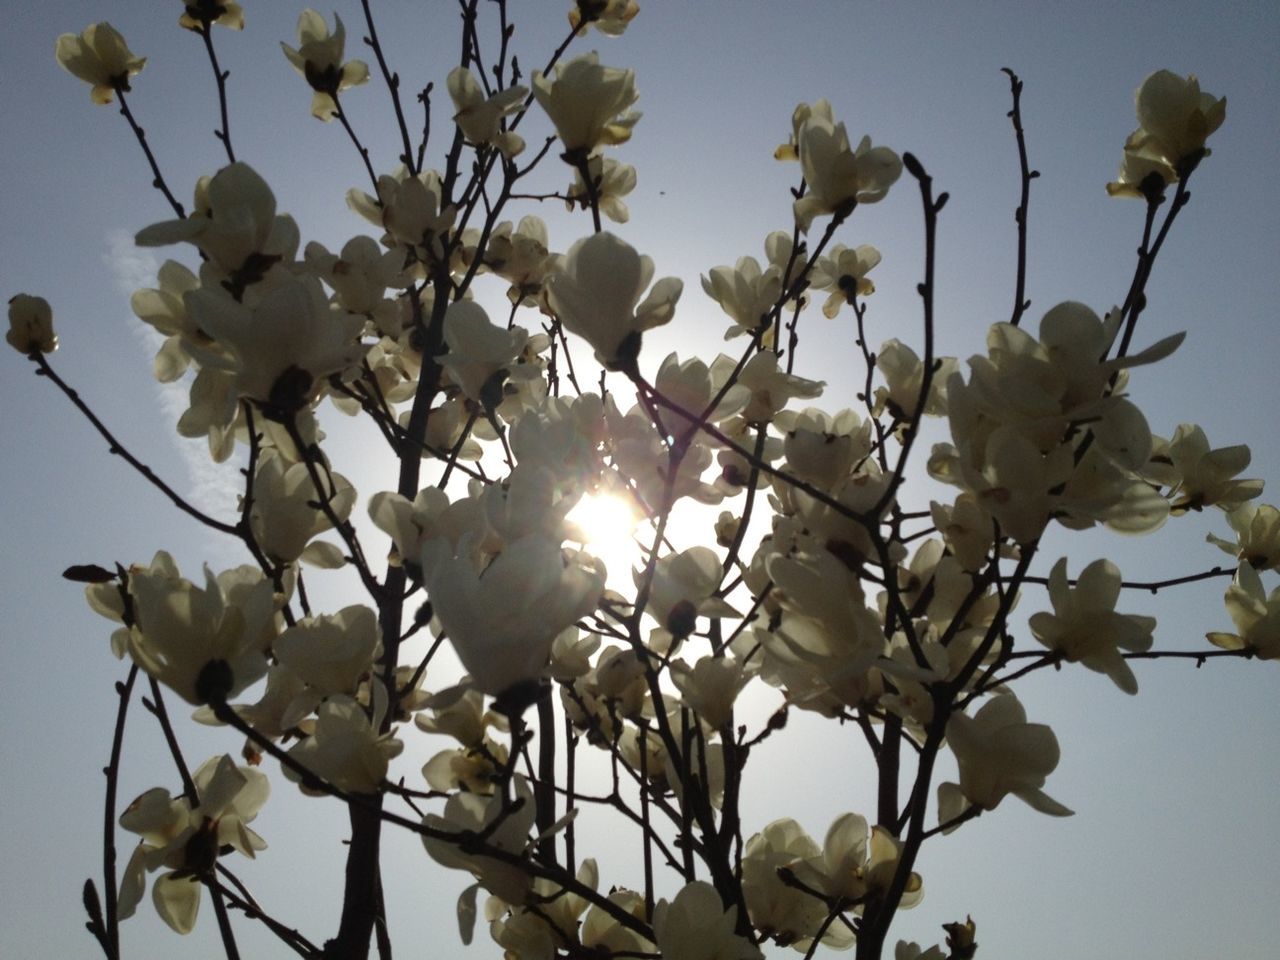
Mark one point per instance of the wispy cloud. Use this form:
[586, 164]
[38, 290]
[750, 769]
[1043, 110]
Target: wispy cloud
[211, 486]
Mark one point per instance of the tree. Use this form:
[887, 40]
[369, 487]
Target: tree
[1040, 433]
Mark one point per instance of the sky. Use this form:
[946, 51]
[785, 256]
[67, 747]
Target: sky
[1170, 853]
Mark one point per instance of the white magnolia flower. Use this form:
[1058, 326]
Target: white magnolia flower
[283, 516]
[1174, 120]
[696, 926]
[999, 753]
[234, 224]
[837, 176]
[586, 101]
[745, 292]
[1085, 627]
[844, 272]
[503, 620]
[479, 117]
[1257, 528]
[1255, 613]
[479, 350]
[206, 644]
[100, 57]
[188, 839]
[330, 652]
[319, 59]
[613, 180]
[505, 827]
[285, 344]
[610, 17]
[597, 295]
[345, 749]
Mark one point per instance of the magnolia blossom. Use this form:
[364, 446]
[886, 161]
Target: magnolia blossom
[1255, 613]
[586, 101]
[284, 345]
[1085, 627]
[772, 388]
[745, 292]
[1207, 476]
[822, 448]
[412, 210]
[682, 587]
[479, 117]
[360, 277]
[234, 224]
[610, 17]
[503, 620]
[330, 652]
[188, 839]
[505, 827]
[99, 57]
[844, 272]
[206, 644]
[827, 638]
[966, 526]
[410, 524]
[903, 373]
[787, 915]
[163, 308]
[31, 325]
[596, 294]
[541, 932]
[283, 516]
[613, 180]
[603, 932]
[1174, 117]
[696, 926]
[201, 14]
[345, 749]
[710, 687]
[520, 256]
[837, 176]
[481, 355]
[1174, 120]
[999, 753]
[319, 59]
[1257, 528]
[853, 865]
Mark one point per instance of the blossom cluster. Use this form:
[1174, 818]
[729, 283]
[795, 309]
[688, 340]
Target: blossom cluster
[813, 588]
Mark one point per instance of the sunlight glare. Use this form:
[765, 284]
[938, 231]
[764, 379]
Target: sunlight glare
[607, 523]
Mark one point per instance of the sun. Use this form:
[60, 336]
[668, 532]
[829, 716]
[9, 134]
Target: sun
[607, 524]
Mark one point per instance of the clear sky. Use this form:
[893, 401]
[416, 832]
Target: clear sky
[1171, 851]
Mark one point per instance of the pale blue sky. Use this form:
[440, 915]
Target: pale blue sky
[1170, 854]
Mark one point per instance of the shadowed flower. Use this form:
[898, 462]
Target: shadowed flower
[836, 174]
[199, 14]
[696, 926]
[480, 117]
[1084, 626]
[503, 620]
[31, 325]
[319, 59]
[205, 644]
[999, 753]
[1255, 613]
[1174, 120]
[99, 57]
[585, 102]
[610, 17]
[596, 294]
